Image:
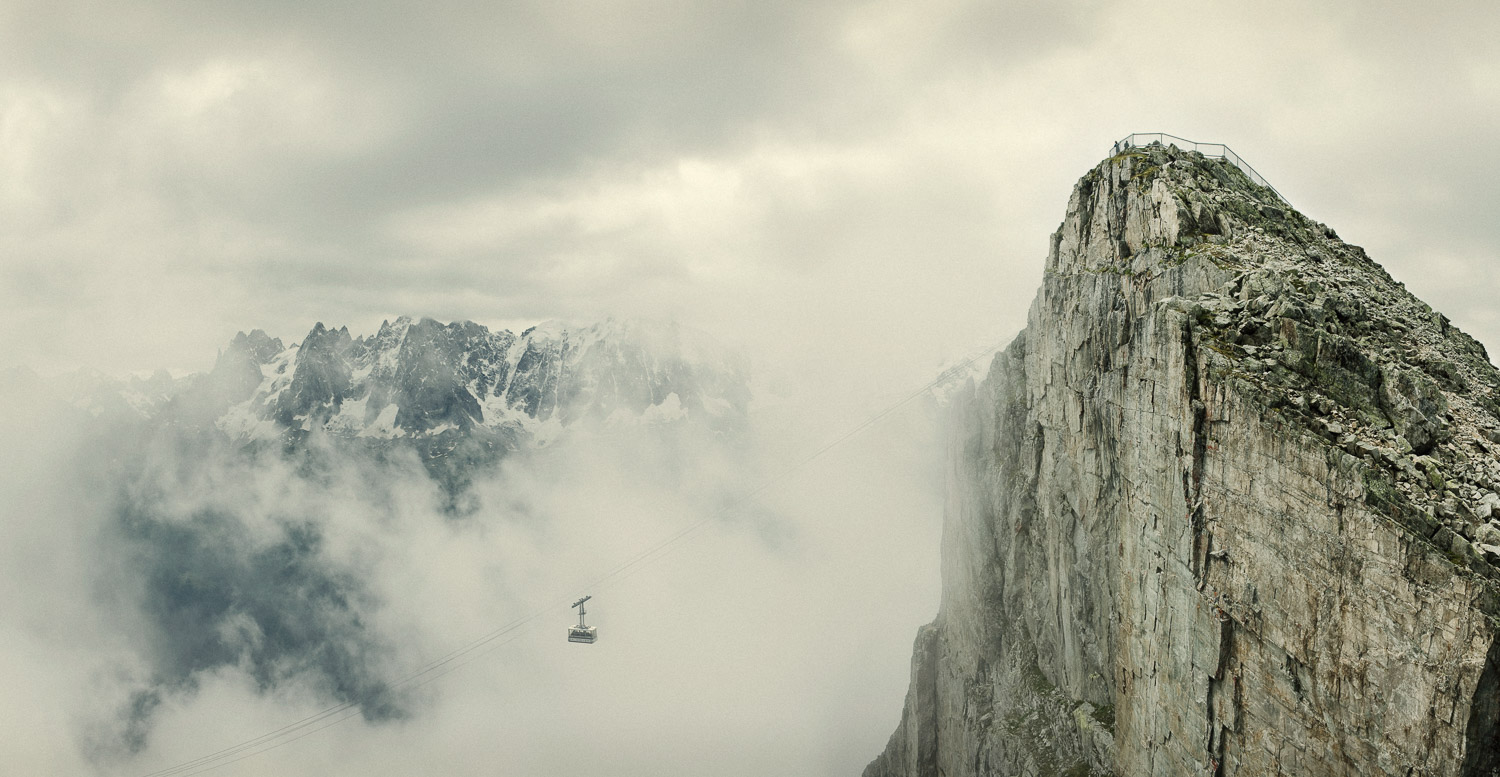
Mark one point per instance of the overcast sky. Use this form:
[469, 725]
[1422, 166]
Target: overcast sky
[860, 191]
[857, 183]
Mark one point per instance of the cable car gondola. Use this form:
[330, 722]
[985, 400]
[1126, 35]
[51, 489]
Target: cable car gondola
[582, 633]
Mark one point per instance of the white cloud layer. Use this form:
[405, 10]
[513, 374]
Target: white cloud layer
[774, 638]
[856, 193]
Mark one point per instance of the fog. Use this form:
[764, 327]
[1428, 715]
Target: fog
[856, 195]
[171, 596]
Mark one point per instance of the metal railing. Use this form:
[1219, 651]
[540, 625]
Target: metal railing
[1214, 150]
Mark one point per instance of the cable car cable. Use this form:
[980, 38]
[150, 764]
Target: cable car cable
[346, 707]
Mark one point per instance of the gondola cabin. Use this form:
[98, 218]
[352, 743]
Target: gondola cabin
[581, 632]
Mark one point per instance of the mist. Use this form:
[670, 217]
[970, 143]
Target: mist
[855, 195]
[176, 595]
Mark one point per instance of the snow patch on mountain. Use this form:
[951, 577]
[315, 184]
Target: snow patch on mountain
[420, 379]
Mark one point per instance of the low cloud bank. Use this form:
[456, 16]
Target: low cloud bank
[176, 595]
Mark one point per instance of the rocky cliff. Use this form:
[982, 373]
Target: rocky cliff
[1224, 507]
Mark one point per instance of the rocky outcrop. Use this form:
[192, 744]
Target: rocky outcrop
[323, 379]
[438, 364]
[1225, 507]
[236, 372]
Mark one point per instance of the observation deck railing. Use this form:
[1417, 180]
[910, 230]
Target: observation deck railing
[1214, 150]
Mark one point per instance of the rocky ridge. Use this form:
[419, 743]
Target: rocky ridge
[419, 379]
[1228, 505]
[458, 395]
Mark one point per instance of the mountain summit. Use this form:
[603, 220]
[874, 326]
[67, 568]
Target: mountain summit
[1226, 506]
[458, 395]
[423, 381]
[423, 378]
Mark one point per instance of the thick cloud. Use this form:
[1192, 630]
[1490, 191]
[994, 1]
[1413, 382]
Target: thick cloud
[173, 172]
[213, 595]
[856, 192]
[193, 595]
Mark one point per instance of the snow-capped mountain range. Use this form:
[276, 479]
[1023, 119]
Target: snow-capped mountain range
[423, 379]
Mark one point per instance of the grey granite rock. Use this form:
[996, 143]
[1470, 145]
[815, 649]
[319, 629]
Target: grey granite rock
[322, 380]
[1168, 554]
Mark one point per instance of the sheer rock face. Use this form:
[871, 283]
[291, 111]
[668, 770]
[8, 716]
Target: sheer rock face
[322, 380]
[437, 366]
[1223, 508]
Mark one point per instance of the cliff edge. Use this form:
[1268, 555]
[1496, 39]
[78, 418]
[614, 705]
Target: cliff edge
[1225, 507]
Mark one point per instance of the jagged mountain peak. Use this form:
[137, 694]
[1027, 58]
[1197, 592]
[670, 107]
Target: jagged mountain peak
[393, 329]
[421, 376]
[1137, 211]
[257, 343]
[418, 377]
[1228, 505]
[1270, 284]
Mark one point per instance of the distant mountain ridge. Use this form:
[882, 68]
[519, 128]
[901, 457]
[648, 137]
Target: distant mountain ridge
[229, 502]
[422, 380]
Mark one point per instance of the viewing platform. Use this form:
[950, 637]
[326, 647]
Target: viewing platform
[1213, 150]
